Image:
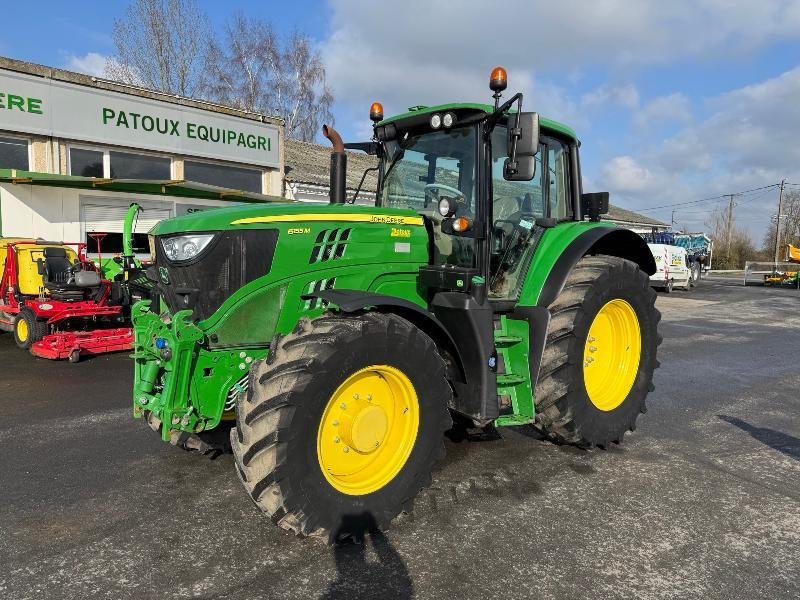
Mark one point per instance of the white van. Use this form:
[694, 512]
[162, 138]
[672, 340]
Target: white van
[671, 268]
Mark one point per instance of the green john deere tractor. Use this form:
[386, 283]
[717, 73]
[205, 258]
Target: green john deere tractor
[337, 341]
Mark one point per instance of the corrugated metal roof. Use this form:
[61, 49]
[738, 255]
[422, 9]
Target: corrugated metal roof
[310, 163]
[622, 215]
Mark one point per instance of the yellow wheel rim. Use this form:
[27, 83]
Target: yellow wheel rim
[611, 354]
[368, 430]
[22, 330]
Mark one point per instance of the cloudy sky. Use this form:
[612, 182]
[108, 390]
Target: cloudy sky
[675, 102]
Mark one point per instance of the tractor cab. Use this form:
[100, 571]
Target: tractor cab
[487, 180]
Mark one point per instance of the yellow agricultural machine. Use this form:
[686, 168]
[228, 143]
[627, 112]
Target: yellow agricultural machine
[786, 276]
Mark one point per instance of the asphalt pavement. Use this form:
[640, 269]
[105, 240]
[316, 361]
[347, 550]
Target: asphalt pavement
[702, 501]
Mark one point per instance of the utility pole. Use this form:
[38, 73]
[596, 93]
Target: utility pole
[778, 222]
[730, 229]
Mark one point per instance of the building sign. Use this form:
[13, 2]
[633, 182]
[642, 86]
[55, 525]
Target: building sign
[42, 106]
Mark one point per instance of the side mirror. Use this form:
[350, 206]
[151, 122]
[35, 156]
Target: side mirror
[523, 143]
[594, 204]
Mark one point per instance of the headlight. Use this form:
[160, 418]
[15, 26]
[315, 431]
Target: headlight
[185, 247]
[448, 120]
[436, 121]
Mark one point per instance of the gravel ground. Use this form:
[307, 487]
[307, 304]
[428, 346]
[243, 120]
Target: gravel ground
[702, 501]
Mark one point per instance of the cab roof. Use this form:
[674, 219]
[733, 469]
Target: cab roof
[545, 123]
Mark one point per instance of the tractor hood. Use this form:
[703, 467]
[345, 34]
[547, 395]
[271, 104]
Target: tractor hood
[270, 215]
[210, 260]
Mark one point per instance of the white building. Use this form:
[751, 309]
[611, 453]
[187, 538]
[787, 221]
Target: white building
[75, 151]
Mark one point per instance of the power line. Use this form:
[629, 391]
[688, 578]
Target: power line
[710, 198]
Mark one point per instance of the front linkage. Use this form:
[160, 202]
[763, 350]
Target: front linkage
[164, 353]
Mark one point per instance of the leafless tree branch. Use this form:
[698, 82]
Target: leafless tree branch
[259, 71]
[161, 44]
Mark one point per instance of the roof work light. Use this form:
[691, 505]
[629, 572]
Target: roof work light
[376, 112]
[498, 80]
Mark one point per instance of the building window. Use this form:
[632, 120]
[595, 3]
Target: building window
[14, 153]
[237, 178]
[86, 163]
[94, 162]
[126, 165]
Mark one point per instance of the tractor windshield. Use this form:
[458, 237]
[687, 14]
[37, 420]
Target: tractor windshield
[420, 170]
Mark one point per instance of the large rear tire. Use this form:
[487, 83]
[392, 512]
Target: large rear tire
[342, 424]
[598, 364]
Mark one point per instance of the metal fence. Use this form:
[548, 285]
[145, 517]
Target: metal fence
[783, 274]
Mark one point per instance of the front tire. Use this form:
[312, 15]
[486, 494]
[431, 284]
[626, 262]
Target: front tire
[598, 364]
[28, 329]
[342, 424]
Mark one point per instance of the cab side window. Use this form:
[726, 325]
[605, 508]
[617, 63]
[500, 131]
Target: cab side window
[558, 180]
[512, 199]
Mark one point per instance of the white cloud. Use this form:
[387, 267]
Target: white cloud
[749, 140]
[670, 109]
[371, 41]
[624, 95]
[91, 63]
[624, 175]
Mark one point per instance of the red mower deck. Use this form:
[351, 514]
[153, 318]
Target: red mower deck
[75, 344]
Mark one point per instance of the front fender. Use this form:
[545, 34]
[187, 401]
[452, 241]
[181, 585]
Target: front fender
[563, 246]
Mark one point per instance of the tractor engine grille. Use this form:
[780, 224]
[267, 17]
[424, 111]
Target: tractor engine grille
[231, 260]
[329, 245]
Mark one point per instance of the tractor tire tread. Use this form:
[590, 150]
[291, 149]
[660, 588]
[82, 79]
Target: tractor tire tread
[562, 356]
[264, 427]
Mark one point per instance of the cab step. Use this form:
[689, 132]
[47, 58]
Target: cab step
[509, 379]
[504, 341]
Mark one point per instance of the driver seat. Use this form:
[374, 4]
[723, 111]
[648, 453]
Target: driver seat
[65, 280]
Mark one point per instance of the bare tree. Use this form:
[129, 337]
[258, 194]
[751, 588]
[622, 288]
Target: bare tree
[790, 224]
[258, 71]
[741, 247]
[162, 45]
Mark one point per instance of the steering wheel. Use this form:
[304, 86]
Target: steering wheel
[441, 187]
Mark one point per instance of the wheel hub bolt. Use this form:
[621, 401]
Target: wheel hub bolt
[355, 396]
[345, 449]
[592, 348]
[591, 339]
[343, 406]
[335, 423]
[336, 440]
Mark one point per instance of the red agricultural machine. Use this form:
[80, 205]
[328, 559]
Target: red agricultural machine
[59, 305]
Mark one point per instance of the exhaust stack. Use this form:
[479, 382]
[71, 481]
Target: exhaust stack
[338, 193]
